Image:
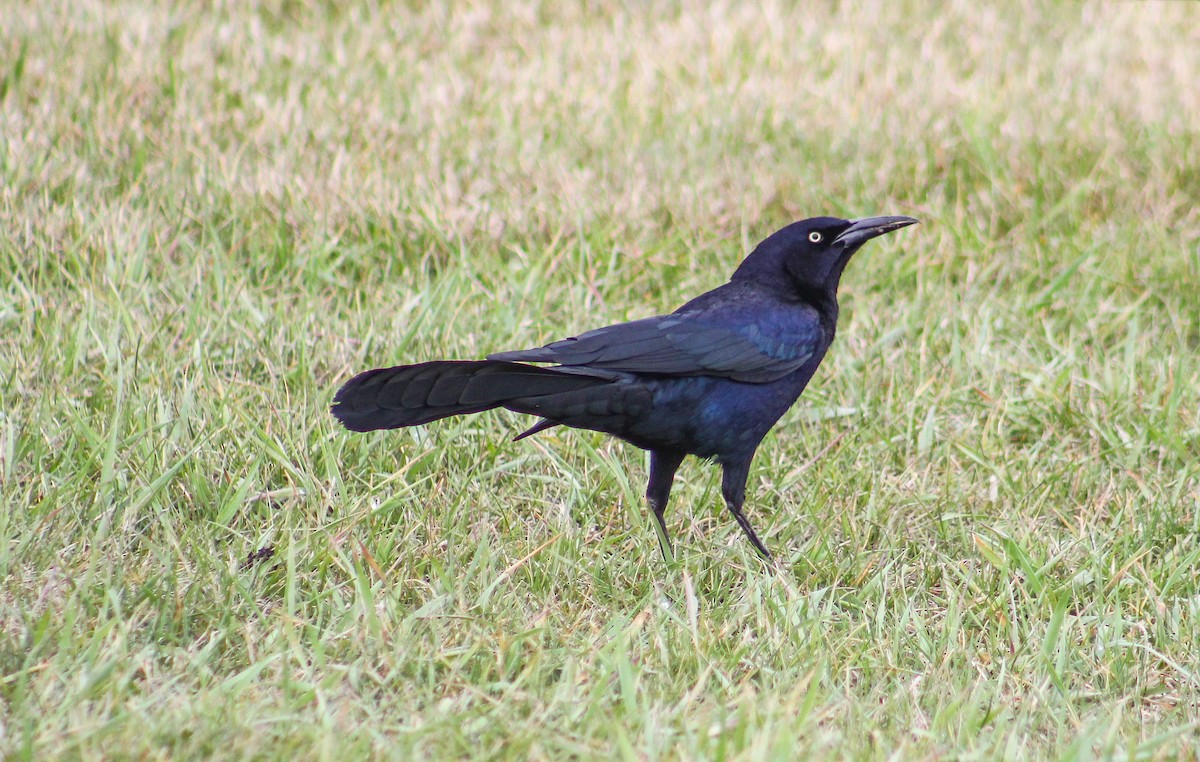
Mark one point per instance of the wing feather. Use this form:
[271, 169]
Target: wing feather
[682, 344]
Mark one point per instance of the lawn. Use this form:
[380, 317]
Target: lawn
[986, 507]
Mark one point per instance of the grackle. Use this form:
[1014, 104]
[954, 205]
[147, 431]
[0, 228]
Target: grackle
[710, 379]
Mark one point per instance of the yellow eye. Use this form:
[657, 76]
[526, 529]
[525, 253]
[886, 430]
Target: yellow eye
[815, 237]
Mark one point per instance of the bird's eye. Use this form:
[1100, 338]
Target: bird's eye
[815, 237]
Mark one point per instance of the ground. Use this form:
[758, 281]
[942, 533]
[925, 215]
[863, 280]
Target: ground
[986, 506]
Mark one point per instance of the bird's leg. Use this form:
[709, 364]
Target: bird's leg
[733, 489]
[663, 464]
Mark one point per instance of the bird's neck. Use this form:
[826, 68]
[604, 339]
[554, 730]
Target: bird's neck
[823, 299]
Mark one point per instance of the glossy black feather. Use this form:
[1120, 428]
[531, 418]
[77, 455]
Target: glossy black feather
[682, 345]
[407, 395]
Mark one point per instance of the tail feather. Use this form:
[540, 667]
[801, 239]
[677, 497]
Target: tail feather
[408, 395]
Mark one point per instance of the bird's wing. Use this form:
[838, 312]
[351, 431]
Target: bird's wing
[681, 345]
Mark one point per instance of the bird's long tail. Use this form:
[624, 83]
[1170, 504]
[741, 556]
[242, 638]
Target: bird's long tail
[407, 395]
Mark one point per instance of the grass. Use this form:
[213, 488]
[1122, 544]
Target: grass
[987, 505]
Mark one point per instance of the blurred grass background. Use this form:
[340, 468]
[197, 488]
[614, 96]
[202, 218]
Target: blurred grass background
[987, 502]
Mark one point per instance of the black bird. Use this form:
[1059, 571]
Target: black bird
[710, 379]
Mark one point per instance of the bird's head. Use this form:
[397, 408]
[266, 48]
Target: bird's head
[809, 256]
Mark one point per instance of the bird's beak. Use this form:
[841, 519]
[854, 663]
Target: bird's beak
[867, 228]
